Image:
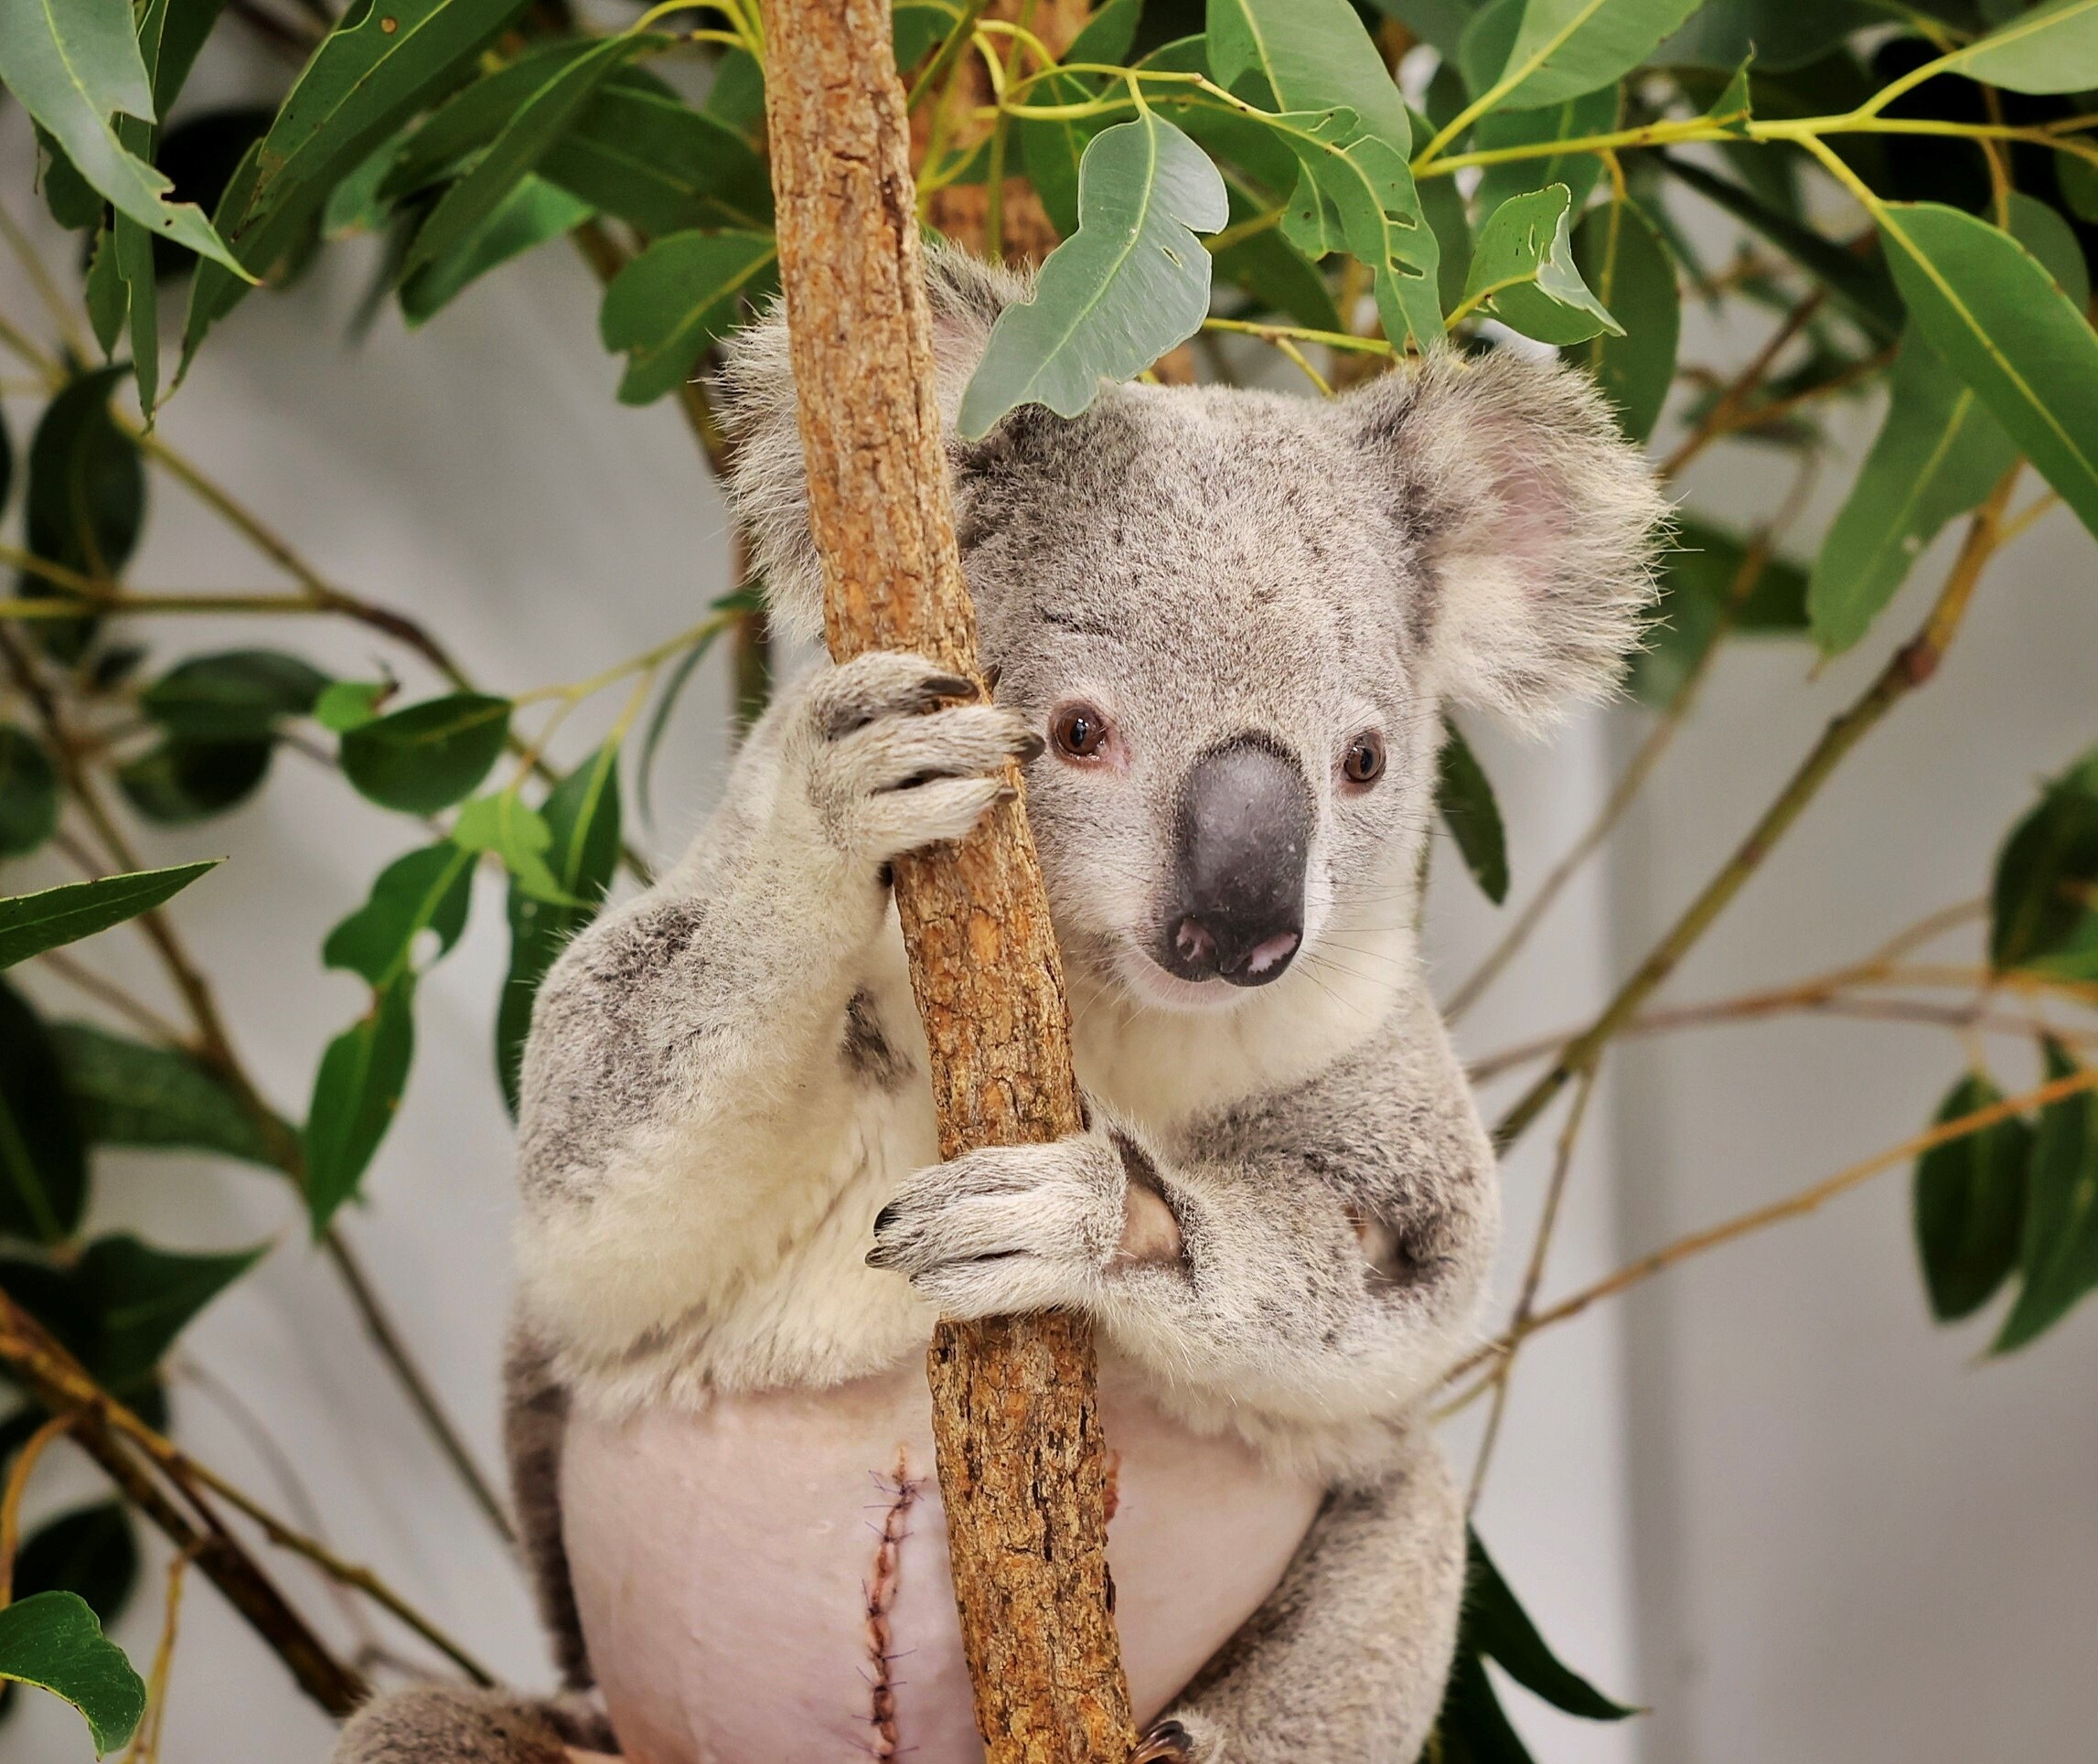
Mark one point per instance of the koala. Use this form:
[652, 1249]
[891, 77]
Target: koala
[1224, 627]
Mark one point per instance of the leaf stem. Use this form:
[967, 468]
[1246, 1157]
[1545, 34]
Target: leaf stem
[18, 1477]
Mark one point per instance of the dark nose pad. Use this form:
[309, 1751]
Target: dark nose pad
[1237, 912]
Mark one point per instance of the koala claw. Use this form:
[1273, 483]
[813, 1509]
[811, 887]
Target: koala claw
[1165, 1742]
[1010, 1228]
[889, 771]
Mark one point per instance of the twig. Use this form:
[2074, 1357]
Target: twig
[1728, 403]
[1910, 667]
[11, 1502]
[146, 1743]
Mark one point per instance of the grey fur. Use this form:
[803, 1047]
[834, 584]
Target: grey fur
[1283, 1211]
[441, 1725]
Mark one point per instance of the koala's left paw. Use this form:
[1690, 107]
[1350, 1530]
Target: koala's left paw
[1171, 1740]
[1007, 1229]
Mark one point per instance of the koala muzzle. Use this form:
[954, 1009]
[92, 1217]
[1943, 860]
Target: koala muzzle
[1237, 912]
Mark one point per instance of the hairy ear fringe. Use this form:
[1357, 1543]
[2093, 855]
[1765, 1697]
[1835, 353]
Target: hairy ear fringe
[1539, 523]
[768, 485]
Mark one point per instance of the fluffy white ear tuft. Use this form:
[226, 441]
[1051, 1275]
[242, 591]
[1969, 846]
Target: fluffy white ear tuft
[1537, 525]
[768, 486]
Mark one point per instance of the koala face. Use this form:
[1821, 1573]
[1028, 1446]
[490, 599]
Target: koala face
[1235, 618]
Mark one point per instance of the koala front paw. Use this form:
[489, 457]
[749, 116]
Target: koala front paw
[887, 769]
[1179, 1740]
[1007, 1229]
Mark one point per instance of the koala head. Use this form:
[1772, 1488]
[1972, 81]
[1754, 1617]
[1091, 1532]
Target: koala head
[1236, 617]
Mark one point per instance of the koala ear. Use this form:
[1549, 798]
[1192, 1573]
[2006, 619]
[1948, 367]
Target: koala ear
[1536, 525]
[768, 485]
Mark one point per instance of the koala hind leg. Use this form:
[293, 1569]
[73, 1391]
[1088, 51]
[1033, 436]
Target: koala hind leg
[442, 1724]
[1345, 1662]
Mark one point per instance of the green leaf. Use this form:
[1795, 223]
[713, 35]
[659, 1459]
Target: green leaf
[667, 702]
[429, 755]
[1593, 112]
[1131, 282]
[2078, 177]
[1473, 1727]
[531, 129]
[1309, 55]
[356, 1091]
[1993, 311]
[2053, 47]
[2046, 887]
[517, 835]
[1700, 578]
[350, 705]
[51, 1639]
[1051, 149]
[1465, 797]
[1523, 272]
[1561, 49]
[1938, 454]
[677, 299]
[1782, 34]
[142, 1298]
[737, 95]
[91, 1551]
[1498, 1627]
[532, 213]
[2057, 1259]
[129, 1094]
[1861, 285]
[583, 813]
[1969, 1204]
[240, 694]
[74, 64]
[446, 142]
[371, 74]
[641, 153]
[28, 793]
[1437, 23]
[1279, 276]
[85, 497]
[427, 889]
[43, 1161]
[181, 782]
[31, 923]
[103, 294]
[1618, 252]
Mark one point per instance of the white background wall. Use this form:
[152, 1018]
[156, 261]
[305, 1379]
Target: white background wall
[1765, 1496]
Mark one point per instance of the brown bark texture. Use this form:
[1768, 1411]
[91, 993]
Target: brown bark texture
[1021, 1463]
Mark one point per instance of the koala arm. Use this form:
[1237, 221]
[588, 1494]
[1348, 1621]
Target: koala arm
[694, 1035]
[1314, 1256]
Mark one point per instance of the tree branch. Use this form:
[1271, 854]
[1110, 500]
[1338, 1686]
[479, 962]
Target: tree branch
[1015, 1423]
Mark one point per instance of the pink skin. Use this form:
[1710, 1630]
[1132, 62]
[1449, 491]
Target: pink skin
[758, 1580]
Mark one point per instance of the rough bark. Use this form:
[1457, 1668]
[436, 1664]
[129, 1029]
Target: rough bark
[1022, 1465]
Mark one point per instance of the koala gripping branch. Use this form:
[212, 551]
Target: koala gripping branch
[1022, 1465]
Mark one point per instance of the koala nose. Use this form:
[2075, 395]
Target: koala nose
[1237, 909]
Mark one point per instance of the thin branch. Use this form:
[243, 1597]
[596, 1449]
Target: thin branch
[1727, 409]
[18, 1477]
[146, 1743]
[1910, 667]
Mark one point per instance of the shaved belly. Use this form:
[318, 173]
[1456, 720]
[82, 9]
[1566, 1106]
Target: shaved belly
[768, 1577]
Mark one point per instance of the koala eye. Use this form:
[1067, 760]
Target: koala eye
[1363, 763]
[1079, 731]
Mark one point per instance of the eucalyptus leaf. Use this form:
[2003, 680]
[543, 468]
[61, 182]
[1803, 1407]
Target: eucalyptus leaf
[139, 1298]
[582, 813]
[91, 1551]
[1308, 55]
[1130, 284]
[127, 1093]
[446, 142]
[524, 139]
[2053, 47]
[532, 213]
[1593, 112]
[429, 755]
[43, 1158]
[1782, 34]
[1996, 314]
[1968, 1198]
[677, 299]
[1464, 798]
[371, 74]
[2046, 887]
[2058, 1256]
[1621, 255]
[180, 781]
[31, 923]
[85, 500]
[356, 1090]
[241, 693]
[1559, 48]
[428, 890]
[349, 704]
[74, 64]
[51, 1639]
[639, 152]
[28, 793]
[516, 833]
[1523, 272]
[1939, 452]
[1497, 1625]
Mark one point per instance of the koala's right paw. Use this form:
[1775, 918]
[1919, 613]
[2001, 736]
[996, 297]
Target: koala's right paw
[888, 771]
